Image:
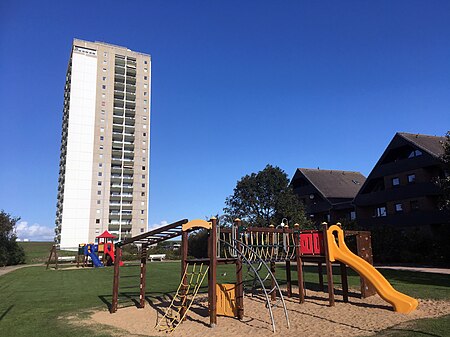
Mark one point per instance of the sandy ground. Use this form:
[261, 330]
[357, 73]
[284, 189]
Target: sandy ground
[313, 318]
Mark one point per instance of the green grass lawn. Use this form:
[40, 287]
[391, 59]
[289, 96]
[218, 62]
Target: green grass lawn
[38, 252]
[32, 299]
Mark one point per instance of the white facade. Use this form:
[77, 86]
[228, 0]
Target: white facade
[80, 151]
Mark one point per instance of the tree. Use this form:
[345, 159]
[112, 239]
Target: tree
[265, 198]
[444, 181]
[10, 251]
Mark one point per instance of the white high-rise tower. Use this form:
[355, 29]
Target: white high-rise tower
[105, 144]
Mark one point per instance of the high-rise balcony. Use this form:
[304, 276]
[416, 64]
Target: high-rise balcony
[129, 105]
[131, 63]
[130, 114]
[118, 120]
[117, 137]
[130, 88]
[131, 80]
[118, 111]
[119, 71]
[119, 95]
[119, 61]
[130, 97]
[130, 122]
[119, 79]
[129, 139]
[131, 72]
[119, 86]
[118, 103]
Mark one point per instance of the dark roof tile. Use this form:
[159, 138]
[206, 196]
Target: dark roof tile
[334, 183]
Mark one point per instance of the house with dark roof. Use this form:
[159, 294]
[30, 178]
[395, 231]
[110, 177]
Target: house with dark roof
[400, 190]
[327, 194]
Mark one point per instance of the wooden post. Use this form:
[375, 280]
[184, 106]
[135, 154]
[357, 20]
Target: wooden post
[344, 281]
[239, 280]
[319, 266]
[364, 250]
[115, 296]
[329, 266]
[212, 280]
[184, 255]
[301, 288]
[53, 253]
[143, 275]
[288, 278]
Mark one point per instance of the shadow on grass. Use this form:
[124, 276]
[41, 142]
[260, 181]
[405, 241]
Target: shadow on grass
[6, 312]
[414, 277]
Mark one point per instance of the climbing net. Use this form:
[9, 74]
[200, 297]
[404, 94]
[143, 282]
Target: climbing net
[270, 246]
[184, 297]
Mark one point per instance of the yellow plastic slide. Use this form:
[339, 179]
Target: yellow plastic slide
[339, 251]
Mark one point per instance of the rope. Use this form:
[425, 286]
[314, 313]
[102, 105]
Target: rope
[173, 317]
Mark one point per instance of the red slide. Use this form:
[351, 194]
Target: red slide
[109, 250]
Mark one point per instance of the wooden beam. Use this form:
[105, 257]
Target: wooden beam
[115, 292]
[329, 267]
[143, 275]
[212, 273]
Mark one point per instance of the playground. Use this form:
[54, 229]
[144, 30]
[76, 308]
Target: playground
[256, 303]
[68, 302]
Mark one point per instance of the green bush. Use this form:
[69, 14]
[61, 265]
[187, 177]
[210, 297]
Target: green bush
[10, 251]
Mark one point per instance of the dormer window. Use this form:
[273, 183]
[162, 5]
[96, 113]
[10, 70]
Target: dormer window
[415, 153]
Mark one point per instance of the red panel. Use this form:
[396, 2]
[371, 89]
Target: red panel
[318, 243]
[306, 243]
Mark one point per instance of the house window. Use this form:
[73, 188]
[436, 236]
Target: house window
[411, 178]
[380, 212]
[415, 153]
[398, 207]
[143, 176]
[352, 215]
[99, 192]
[97, 220]
[99, 183]
[143, 168]
[142, 230]
[99, 174]
[414, 204]
[396, 181]
[98, 202]
[145, 78]
[101, 137]
[104, 78]
[104, 86]
[142, 211]
[144, 134]
[142, 194]
[143, 185]
[145, 62]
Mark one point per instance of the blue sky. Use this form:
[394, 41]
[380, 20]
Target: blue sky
[236, 85]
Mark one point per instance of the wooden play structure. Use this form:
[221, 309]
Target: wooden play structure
[259, 249]
[102, 251]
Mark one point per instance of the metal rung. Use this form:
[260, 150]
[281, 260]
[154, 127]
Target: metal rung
[127, 276]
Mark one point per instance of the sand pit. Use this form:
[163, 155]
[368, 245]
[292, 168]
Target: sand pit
[313, 318]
